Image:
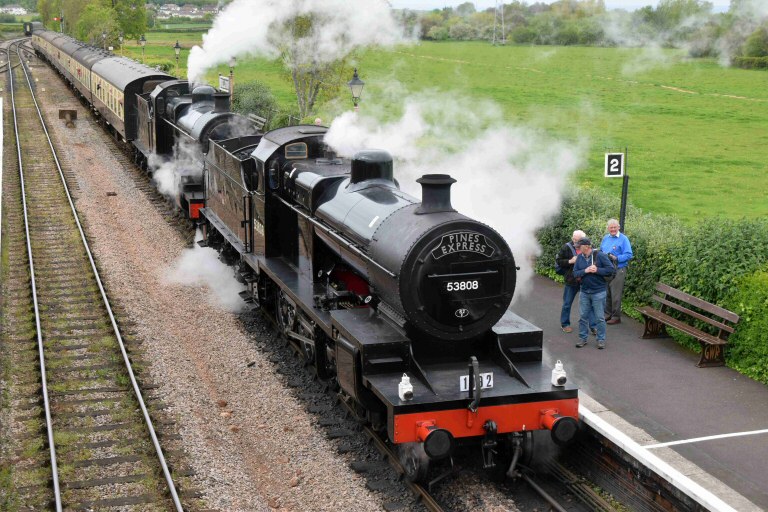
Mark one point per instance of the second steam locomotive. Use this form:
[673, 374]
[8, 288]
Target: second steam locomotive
[403, 303]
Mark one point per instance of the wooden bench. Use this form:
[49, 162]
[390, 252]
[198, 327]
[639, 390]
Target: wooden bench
[258, 121]
[670, 299]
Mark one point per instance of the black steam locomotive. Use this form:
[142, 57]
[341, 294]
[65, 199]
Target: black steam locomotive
[403, 302]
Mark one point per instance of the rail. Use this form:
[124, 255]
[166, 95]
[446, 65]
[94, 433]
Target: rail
[97, 277]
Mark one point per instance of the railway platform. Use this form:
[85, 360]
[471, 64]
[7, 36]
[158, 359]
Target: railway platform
[710, 424]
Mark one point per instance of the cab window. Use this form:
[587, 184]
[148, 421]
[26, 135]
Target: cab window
[296, 150]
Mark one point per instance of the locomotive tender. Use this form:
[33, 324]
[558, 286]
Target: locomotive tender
[403, 302]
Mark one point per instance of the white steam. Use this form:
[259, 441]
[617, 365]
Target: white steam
[200, 267]
[186, 161]
[263, 28]
[512, 178]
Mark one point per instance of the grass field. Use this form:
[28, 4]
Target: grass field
[697, 133]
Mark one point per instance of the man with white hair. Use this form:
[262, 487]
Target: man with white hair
[616, 245]
[565, 260]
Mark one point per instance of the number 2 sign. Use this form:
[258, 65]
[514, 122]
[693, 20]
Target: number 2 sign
[614, 165]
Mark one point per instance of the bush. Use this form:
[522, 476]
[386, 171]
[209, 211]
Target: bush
[254, 98]
[751, 62]
[166, 66]
[748, 346]
[715, 255]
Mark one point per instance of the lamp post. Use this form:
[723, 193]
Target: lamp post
[143, 43]
[120, 38]
[104, 39]
[177, 51]
[232, 63]
[356, 86]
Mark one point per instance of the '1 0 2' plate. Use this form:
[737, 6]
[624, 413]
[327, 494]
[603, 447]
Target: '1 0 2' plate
[486, 380]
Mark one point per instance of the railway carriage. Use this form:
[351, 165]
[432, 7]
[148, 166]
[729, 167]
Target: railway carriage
[115, 84]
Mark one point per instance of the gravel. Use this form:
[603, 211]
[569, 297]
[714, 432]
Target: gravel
[250, 443]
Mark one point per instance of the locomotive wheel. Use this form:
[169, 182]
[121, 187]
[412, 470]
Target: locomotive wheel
[285, 315]
[528, 446]
[414, 460]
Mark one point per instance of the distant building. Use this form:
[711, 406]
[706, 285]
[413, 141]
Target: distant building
[16, 10]
[188, 11]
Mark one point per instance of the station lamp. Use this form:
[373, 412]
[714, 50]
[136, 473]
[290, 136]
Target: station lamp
[143, 43]
[177, 51]
[356, 86]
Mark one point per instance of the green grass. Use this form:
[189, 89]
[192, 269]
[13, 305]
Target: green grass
[696, 132]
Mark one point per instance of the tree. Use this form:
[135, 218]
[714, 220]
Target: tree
[756, 44]
[466, 9]
[94, 21]
[71, 10]
[131, 16]
[310, 77]
[46, 10]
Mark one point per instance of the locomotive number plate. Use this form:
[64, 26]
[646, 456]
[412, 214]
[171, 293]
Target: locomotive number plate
[462, 286]
[486, 379]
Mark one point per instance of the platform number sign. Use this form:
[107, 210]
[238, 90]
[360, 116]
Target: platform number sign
[614, 165]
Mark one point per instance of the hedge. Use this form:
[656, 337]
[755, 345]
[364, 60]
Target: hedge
[721, 261]
[751, 62]
[748, 346]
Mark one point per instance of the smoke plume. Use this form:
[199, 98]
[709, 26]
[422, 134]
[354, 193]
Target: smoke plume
[200, 267]
[263, 28]
[510, 177]
[187, 160]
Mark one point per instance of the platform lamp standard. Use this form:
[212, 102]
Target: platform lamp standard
[356, 86]
[177, 51]
[232, 63]
[143, 43]
[120, 38]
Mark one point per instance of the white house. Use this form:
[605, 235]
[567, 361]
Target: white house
[16, 10]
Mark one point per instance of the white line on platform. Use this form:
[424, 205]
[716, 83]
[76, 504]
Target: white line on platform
[707, 438]
[661, 468]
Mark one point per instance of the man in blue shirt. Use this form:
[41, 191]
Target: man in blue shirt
[590, 269]
[616, 245]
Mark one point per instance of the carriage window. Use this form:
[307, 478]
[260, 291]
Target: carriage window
[296, 150]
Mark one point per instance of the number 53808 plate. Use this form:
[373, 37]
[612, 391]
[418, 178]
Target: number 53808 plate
[486, 381]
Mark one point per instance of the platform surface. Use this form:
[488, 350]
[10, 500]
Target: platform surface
[655, 386]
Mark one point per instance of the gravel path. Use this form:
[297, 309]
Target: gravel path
[251, 444]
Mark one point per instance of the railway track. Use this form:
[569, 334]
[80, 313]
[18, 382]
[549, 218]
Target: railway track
[84, 438]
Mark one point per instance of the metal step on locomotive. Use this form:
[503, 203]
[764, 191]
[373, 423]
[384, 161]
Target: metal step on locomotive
[403, 303]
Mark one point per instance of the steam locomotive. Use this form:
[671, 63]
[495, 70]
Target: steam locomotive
[403, 303]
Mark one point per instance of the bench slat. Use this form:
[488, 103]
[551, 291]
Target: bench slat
[694, 314]
[681, 326]
[695, 301]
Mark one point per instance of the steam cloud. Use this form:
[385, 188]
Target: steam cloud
[259, 27]
[512, 178]
[200, 266]
[167, 174]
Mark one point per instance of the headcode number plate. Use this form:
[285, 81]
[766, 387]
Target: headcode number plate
[487, 381]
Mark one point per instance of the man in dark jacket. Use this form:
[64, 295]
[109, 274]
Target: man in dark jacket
[590, 268]
[565, 260]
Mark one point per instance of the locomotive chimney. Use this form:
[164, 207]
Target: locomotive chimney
[435, 194]
[371, 164]
[221, 102]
